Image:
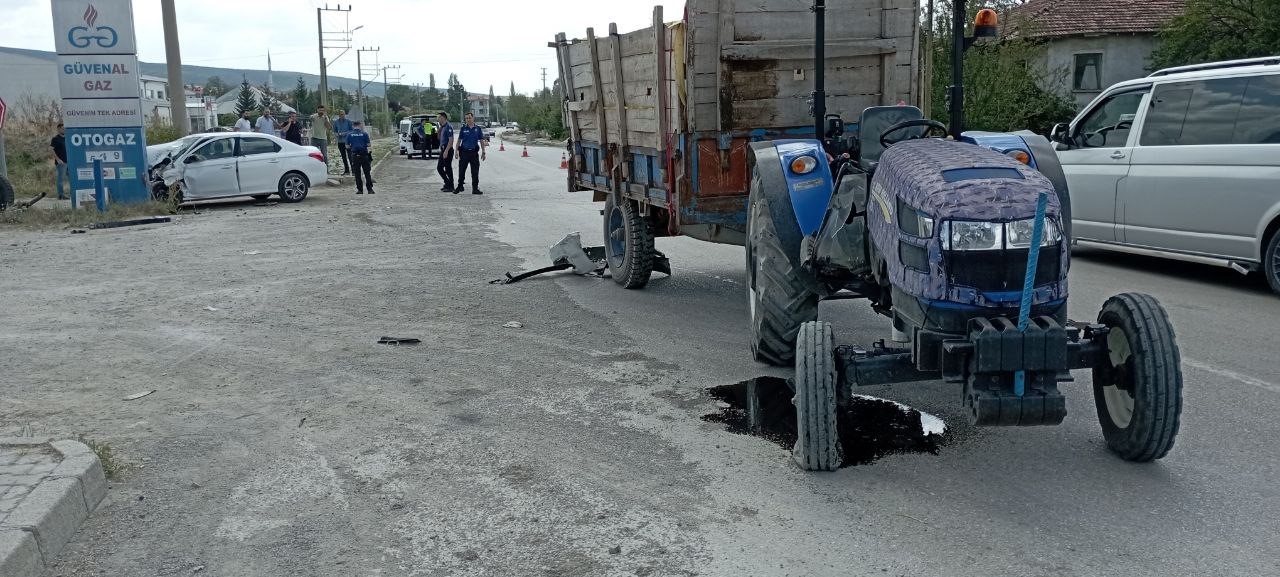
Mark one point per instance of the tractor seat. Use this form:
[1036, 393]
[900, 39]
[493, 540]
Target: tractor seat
[877, 119]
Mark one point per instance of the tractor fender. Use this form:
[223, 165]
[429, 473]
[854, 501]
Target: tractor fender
[1046, 161]
[796, 207]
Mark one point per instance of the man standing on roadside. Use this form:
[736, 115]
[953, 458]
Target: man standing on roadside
[447, 145]
[361, 156]
[471, 150]
[59, 147]
[320, 127]
[292, 129]
[267, 123]
[243, 125]
[342, 128]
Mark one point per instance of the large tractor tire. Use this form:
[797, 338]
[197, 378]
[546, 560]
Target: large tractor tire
[779, 299]
[628, 244]
[1138, 392]
[816, 401]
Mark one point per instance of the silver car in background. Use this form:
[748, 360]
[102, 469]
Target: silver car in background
[1182, 164]
[240, 164]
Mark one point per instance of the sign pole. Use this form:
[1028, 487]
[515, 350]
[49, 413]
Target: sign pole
[4, 163]
[99, 189]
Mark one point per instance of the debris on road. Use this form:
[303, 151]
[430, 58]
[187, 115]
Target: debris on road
[253, 253]
[513, 325]
[566, 254]
[137, 396]
[212, 309]
[398, 341]
[131, 222]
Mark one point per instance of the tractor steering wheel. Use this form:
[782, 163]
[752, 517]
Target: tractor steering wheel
[927, 122]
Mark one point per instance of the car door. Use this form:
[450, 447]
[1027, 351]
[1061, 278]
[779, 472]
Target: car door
[210, 170]
[1200, 181]
[1097, 159]
[259, 165]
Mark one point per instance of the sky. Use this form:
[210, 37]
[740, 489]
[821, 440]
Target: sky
[486, 42]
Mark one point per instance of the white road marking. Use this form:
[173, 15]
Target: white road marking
[1246, 379]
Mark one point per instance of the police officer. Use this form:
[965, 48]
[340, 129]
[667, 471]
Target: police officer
[471, 149]
[447, 145]
[358, 142]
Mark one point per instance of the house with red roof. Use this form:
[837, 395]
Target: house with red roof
[1092, 44]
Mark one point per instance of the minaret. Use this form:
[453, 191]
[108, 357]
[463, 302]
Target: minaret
[270, 85]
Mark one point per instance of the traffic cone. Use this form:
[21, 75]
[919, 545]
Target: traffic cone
[502, 146]
[525, 153]
[564, 161]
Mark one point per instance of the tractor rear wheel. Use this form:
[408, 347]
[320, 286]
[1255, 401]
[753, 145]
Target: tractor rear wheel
[1138, 389]
[628, 244]
[778, 299]
[817, 436]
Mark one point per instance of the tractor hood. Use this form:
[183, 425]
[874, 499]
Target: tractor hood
[949, 180]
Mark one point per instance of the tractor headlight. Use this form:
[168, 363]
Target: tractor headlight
[803, 164]
[1018, 233]
[969, 235]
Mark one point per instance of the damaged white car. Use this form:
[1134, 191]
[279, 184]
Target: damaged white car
[238, 164]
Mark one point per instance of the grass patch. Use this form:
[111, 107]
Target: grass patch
[112, 466]
[65, 217]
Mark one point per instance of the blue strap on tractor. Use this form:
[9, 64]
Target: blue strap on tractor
[1028, 283]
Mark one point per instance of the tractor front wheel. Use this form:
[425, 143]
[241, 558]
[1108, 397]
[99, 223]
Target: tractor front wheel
[1138, 388]
[816, 401]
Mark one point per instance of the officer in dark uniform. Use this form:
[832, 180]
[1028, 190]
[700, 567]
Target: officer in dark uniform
[447, 145]
[361, 157]
[471, 150]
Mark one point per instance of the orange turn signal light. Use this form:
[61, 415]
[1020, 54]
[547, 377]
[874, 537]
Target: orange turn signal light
[803, 164]
[986, 17]
[1020, 156]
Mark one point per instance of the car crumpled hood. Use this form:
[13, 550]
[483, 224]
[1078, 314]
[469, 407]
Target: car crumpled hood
[173, 173]
[913, 171]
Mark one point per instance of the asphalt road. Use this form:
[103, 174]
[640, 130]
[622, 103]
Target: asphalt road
[282, 441]
[1038, 501]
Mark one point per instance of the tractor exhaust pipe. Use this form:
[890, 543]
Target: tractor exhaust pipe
[819, 67]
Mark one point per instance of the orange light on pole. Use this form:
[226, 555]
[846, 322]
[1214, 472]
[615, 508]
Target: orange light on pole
[986, 24]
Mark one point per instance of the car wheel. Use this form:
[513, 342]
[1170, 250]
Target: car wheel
[1138, 387]
[293, 187]
[1271, 262]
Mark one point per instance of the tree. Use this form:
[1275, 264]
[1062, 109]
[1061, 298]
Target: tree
[302, 97]
[1213, 30]
[246, 99]
[493, 104]
[215, 87]
[1005, 86]
[269, 100]
[457, 100]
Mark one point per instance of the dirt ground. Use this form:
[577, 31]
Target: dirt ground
[281, 440]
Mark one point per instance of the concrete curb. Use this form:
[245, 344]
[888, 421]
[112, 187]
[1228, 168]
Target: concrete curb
[36, 531]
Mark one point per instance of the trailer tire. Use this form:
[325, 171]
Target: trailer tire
[778, 299]
[817, 435]
[628, 244]
[1138, 392]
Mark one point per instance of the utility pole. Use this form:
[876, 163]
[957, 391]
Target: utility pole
[337, 40]
[361, 70]
[173, 57]
[544, 77]
[386, 98]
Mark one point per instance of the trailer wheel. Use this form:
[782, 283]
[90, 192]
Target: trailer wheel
[817, 437]
[1138, 390]
[779, 301]
[628, 244]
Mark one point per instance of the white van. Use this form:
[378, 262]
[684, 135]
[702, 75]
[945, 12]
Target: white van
[1182, 164]
[405, 136]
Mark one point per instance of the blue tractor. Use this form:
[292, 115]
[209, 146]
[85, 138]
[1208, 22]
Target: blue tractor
[962, 240]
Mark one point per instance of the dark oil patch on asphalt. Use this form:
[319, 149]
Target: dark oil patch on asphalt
[870, 428]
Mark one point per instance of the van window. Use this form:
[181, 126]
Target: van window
[1108, 124]
[1194, 113]
[1259, 121]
